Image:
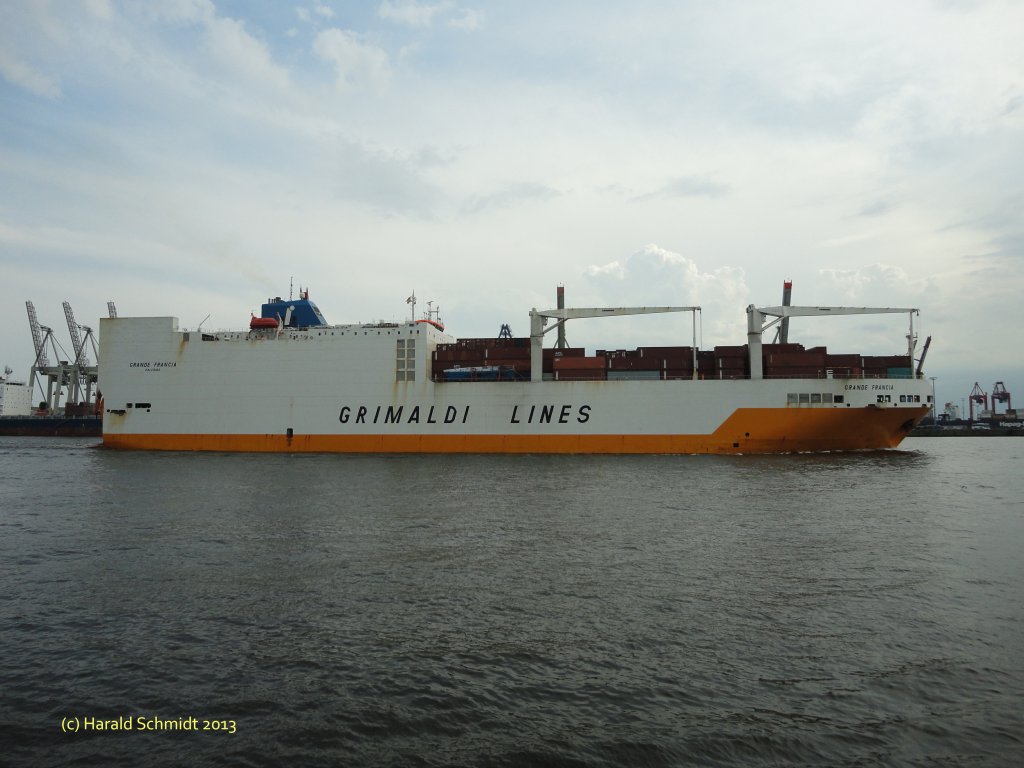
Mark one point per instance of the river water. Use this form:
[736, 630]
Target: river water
[802, 610]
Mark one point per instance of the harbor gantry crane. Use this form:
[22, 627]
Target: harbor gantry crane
[979, 396]
[38, 342]
[57, 375]
[83, 375]
[1000, 395]
[75, 373]
[76, 344]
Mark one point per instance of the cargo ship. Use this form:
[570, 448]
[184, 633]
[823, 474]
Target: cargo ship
[292, 382]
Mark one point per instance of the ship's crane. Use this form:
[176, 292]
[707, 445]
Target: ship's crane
[539, 319]
[1000, 395]
[756, 326]
[924, 354]
[782, 332]
[979, 396]
[560, 342]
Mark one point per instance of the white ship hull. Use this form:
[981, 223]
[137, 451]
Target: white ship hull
[337, 389]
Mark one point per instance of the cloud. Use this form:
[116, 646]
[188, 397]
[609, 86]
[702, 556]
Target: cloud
[242, 53]
[877, 208]
[412, 13]
[512, 194]
[101, 9]
[24, 75]
[355, 62]
[655, 276]
[178, 11]
[845, 240]
[875, 281]
[686, 186]
[469, 20]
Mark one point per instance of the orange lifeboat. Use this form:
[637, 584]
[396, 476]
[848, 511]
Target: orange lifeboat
[257, 323]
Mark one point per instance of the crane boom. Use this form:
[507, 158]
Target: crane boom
[37, 336]
[756, 325]
[76, 337]
[539, 318]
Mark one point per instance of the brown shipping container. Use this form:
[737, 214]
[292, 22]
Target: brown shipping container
[733, 368]
[781, 348]
[842, 360]
[635, 364]
[795, 358]
[731, 351]
[580, 363]
[886, 361]
[550, 352]
[508, 353]
[665, 351]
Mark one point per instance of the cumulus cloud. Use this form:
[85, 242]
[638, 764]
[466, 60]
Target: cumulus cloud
[355, 62]
[412, 13]
[656, 276]
[242, 53]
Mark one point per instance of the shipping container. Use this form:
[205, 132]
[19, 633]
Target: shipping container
[843, 360]
[734, 351]
[581, 374]
[634, 375]
[579, 363]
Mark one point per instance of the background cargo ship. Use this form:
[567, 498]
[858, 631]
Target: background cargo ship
[292, 382]
[18, 417]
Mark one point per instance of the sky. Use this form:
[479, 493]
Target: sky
[195, 157]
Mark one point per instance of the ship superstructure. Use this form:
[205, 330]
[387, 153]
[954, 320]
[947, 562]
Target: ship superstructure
[293, 382]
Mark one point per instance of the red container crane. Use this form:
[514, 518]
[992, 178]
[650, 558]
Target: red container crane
[978, 395]
[1000, 395]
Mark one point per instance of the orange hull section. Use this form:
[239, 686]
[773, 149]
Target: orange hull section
[747, 430]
